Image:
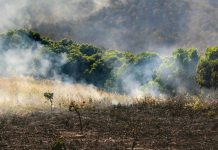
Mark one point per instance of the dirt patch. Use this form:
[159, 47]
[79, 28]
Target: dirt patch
[116, 127]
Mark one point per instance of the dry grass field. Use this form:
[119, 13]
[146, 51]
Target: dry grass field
[23, 94]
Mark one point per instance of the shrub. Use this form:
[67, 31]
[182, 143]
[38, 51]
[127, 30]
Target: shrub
[58, 145]
[76, 108]
[49, 97]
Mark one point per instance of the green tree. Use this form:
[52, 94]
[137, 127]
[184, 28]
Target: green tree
[177, 73]
[207, 71]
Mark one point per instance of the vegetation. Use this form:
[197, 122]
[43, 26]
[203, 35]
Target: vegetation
[178, 71]
[207, 71]
[49, 97]
[184, 71]
[58, 145]
[76, 107]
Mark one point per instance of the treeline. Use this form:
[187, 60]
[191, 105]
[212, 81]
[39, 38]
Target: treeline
[115, 70]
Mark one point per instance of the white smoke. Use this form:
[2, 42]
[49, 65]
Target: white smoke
[28, 62]
[118, 24]
[24, 13]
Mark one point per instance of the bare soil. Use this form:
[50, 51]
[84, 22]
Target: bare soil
[141, 126]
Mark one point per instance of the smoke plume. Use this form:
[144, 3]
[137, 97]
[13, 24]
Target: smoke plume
[159, 25]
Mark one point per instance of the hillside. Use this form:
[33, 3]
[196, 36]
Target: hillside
[27, 53]
[157, 25]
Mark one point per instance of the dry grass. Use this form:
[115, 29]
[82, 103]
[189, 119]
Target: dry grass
[26, 94]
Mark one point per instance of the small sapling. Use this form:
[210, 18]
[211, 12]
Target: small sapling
[49, 97]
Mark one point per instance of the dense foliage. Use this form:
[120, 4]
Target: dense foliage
[115, 69]
[207, 71]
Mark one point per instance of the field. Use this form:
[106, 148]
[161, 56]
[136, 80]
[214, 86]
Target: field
[109, 120]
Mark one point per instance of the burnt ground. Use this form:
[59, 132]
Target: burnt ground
[143, 126]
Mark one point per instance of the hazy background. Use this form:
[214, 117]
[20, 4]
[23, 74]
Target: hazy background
[133, 25]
